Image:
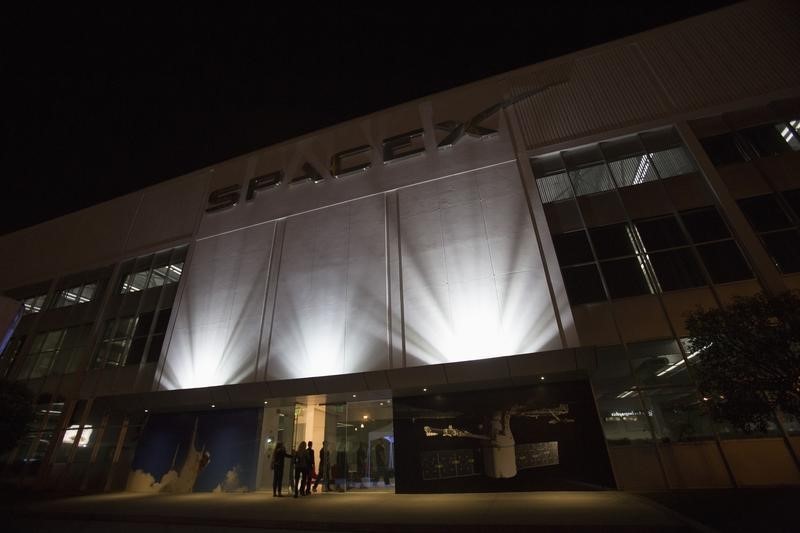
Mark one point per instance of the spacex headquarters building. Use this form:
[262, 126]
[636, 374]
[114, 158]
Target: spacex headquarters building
[481, 290]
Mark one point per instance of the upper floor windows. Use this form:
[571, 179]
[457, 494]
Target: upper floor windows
[78, 294]
[58, 351]
[605, 166]
[34, 304]
[151, 271]
[771, 216]
[754, 142]
[128, 340]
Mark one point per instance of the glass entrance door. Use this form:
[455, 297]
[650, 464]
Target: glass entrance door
[278, 425]
[352, 443]
[362, 453]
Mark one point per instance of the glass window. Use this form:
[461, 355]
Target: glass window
[784, 247]
[612, 241]
[728, 431]
[75, 295]
[67, 297]
[42, 360]
[613, 369]
[673, 162]
[572, 248]
[767, 139]
[790, 133]
[139, 341]
[591, 179]
[623, 417]
[154, 351]
[793, 199]
[156, 277]
[723, 149]
[632, 170]
[57, 352]
[705, 224]
[88, 292]
[162, 321]
[724, 262]
[678, 415]
[33, 304]
[764, 213]
[114, 344]
[625, 277]
[657, 363]
[10, 353]
[134, 282]
[136, 351]
[583, 284]
[554, 188]
[677, 269]
[660, 233]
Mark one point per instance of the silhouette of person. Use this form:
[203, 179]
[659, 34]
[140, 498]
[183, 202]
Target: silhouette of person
[361, 462]
[300, 469]
[277, 464]
[323, 471]
[342, 468]
[309, 466]
[380, 462]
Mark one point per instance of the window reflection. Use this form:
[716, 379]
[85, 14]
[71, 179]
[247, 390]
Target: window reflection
[78, 294]
[678, 414]
[149, 278]
[33, 304]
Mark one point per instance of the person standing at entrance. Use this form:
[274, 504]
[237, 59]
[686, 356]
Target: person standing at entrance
[277, 463]
[361, 463]
[300, 469]
[309, 466]
[323, 471]
[380, 462]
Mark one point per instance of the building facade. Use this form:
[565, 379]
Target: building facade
[484, 289]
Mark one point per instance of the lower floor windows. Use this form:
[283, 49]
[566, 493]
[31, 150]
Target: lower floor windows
[724, 262]
[583, 284]
[677, 269]
[784, 247]
[656, 254]
[774, 221]
[128, 340]
[55, 352]
[625, 277]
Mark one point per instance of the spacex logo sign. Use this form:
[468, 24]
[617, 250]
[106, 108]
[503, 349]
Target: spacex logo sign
[355, 160]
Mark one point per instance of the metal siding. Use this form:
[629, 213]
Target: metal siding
[746, 50]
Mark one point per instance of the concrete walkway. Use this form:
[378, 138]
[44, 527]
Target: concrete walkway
[357, 512]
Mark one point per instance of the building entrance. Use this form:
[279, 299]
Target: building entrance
[352, 444]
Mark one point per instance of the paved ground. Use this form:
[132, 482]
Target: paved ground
[387, 513]
[741, 510]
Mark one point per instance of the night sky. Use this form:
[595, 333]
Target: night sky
[99, 102]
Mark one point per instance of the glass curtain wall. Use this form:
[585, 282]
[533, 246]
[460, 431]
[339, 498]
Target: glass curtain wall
[352, 444]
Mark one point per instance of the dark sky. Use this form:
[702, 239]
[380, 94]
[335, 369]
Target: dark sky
[99, 102]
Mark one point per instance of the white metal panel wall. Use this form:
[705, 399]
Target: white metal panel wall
[468, 153]
[216, 334]
[330, 311]
[169, 211]
[473, 284]
[470, 281]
